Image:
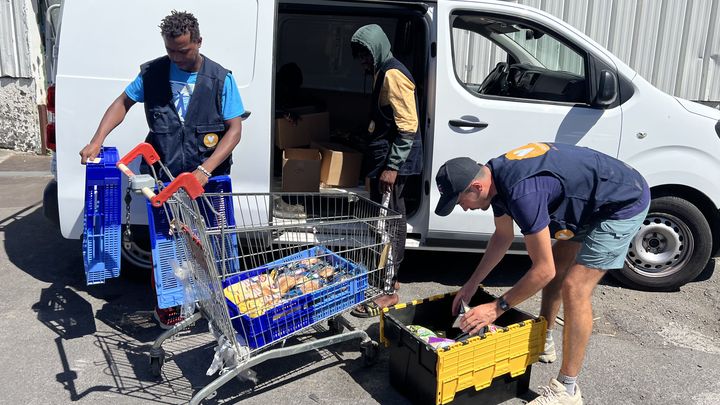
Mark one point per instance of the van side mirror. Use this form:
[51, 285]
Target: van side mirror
[607, 89]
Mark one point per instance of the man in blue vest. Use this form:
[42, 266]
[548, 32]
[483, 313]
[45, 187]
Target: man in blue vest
[393, 146]
[591, 203]
[192, 106]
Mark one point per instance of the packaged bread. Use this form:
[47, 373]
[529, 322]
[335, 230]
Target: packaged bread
[326, 272]
[285, 283]
[307, 284]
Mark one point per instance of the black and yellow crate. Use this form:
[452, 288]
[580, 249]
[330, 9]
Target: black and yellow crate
[491, 368]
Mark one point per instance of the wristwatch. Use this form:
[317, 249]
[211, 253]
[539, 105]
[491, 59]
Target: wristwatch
[503, 304]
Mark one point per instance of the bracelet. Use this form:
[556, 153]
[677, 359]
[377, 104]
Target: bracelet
[203, 171]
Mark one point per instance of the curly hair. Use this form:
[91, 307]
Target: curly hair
[179, 23]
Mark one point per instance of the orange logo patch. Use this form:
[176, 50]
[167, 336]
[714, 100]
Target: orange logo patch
[564, 234]
[210, 140]
[528, 151]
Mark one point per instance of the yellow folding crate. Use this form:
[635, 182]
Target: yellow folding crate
[492, 367]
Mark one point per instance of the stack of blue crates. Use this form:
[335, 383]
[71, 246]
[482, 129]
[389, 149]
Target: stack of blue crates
[102, 223]
[165, 248]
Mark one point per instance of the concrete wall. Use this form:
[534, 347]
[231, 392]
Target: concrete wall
[22, 75]
[19, 124]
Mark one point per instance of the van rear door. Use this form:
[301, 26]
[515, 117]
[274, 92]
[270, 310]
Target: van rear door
[508, 76]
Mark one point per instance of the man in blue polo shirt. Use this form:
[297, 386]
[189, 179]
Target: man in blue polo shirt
[193, 110]
[591, 203]
[192, 105]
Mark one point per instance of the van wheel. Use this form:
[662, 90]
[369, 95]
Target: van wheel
[671, 248]
[136, 252]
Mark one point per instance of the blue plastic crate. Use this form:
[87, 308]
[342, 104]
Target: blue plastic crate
[300, 312]
[168, 288]
[102, 224]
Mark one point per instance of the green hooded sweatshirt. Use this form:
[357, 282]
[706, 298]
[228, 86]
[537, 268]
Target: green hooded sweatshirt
[373, 38]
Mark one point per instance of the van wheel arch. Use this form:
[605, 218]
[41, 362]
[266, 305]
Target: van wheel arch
[672, 247]
[136, 253]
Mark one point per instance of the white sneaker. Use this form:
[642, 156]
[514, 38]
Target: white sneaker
[548, 355]
[556, 394]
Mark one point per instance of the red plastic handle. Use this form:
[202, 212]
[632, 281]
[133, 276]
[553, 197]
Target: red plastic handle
[145, 150]
[186, 181]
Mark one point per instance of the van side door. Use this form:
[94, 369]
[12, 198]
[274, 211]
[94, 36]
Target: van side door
[507, 77]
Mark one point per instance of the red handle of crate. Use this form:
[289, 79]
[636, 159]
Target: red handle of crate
[145, 150]
[186, 181]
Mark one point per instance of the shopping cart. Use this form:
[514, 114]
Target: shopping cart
[259, 279]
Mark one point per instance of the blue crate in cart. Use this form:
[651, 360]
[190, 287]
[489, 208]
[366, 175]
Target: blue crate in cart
[300, 312]
[102, 224]
[168, 288]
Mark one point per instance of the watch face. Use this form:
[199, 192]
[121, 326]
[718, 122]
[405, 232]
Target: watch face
[503, 304]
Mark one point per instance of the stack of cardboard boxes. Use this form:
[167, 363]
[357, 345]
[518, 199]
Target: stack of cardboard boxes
[309, 160]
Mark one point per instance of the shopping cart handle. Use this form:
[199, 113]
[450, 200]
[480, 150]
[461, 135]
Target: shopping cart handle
[145, 150]
[186, 181]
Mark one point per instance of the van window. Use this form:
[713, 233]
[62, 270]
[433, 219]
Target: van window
[505, 58]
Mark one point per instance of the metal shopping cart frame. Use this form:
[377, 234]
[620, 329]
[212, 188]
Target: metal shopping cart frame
[263, 279]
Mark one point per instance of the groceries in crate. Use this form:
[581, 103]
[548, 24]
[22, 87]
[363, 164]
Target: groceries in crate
[438, 339]
[255, 295]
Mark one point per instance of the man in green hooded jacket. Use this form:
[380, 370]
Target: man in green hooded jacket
[393, 146]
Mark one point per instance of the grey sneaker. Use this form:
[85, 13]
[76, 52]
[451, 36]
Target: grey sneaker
[556, 394]
[548, 355]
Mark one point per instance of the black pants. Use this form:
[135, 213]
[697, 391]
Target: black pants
[397, 204]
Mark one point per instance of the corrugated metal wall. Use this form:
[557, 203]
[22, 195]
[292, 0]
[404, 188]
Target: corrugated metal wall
[674, 44]
[14, 43]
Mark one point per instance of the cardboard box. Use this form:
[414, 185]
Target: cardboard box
[340, 165]
[310, 127]
[301, 170]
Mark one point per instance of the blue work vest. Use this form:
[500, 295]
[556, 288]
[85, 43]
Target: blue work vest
[182, 146]
[386, 131]
[595, 185]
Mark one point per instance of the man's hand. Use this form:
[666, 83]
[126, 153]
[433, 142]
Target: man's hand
[478, 317]
[201, 177]
[387, 180]
[89, 152]
[465, 294]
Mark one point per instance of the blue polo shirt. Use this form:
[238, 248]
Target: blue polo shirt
[182, 84]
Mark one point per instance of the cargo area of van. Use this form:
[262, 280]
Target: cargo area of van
[322, 96]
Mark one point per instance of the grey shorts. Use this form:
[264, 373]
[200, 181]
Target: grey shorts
[605, 243]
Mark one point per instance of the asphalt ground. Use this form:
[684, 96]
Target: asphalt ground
[64, 342]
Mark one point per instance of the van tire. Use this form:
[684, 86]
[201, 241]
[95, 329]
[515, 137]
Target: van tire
[136, 254]
[672, 247]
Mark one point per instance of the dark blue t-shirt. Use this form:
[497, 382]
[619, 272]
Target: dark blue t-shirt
[533, 199]
[530, 203]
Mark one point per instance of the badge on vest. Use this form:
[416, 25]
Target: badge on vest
[211, 140]
[564, 234]
[371, 127]
[528, 151]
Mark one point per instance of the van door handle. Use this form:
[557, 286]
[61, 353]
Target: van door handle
[463, 123]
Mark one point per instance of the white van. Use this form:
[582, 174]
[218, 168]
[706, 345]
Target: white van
[541, 80]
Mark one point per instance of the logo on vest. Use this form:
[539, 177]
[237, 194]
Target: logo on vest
[210, 140]
[371, 127]
[564, 234]
[528, 151]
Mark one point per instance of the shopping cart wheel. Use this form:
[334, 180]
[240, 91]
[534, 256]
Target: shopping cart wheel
[370, 352]
[156, 363]
[335, 326]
